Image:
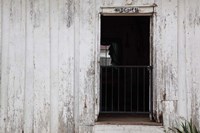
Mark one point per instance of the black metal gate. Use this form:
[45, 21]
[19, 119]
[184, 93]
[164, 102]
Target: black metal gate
[126, 89]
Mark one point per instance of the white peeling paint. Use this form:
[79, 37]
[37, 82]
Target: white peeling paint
[50, 63]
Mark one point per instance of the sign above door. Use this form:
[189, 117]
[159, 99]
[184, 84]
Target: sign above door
[146, 10]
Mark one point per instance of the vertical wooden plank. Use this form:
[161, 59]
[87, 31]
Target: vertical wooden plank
[54, 47]
[41, 67]
[16, 66]
[66, 66]
[189, 41]
[189, 71]
[87, 62]
[39, 15]
[169, 71]
[165, 59]
[4, 65]
[13, 66]
[169, 15]
[192, 58]
[158, 86]
[97, 57]
[182, 100]
[196, 64]
[76, 63]
[1, 25]
[29, 81]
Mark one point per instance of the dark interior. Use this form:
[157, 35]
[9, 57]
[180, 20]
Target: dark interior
[125, 83]
[131, 35]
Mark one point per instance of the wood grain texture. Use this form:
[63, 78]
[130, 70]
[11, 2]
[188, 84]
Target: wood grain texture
[169, 46]
[41, 63]
[166, 21]
[165, 57]
[76, 63]
[125, 2]
[87, 60]
[1, 26]
[4, 81]
[144, 2]
[66, 66]
[97, 58]
[29, 81]
[188, 51]
[182, 88]
[16, 66]
[13, 66]
[86, 129]
[54, 52]
[192, 59]
[49, 59]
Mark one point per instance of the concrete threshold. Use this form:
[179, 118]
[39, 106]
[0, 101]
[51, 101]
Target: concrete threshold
[126, 123]
[128, 129]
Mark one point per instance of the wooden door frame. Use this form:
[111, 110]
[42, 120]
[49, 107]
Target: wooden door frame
[147, 10]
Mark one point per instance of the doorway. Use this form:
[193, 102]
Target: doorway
[125, 65]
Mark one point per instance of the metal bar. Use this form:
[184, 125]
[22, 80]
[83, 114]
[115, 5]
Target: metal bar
[150, 93]
[127, 66]
[106, 89]
[144, 89]
[101, 87]
[112, 91]
[137, 89]
[131, 90]
[122, 112]
[118, 87]
[124, 89]
[126, 102]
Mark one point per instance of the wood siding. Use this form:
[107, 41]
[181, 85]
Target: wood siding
[49, 63]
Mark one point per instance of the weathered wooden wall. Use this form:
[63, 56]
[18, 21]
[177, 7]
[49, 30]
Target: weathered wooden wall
[177, 61]
[192, 59]
[49, 63]
[165, 60]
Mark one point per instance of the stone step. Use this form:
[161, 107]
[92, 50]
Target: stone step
[128, 129]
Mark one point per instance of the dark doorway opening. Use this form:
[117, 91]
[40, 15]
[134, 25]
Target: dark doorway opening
[125, 77]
